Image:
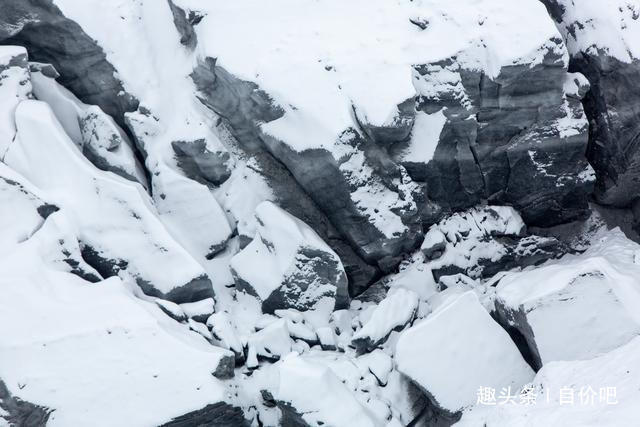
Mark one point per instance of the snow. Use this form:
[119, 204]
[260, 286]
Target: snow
[96, 352]
[108, 353]
[396, 310]
[302, 381]
[272, 342]
[93, 131]
[199, 309]
[456, 350]
[66, 107]
[378, 363]
[191, 213]
[223, 330]
[114, 216]
[616, 371]
[14, 87]
[328, 62]
[611, 26]
[424, 137]
[17, 196]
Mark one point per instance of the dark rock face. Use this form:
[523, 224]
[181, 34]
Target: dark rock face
[398, 130]
[243, 106]
[516, 325]
[484, 241]
[294, 200]
[201, 164]
[197, 289]
[219, 414]
[184, 24]
[237, 102]
[21, 413]
[502, 140]
[610, 104]
[224, 371]
[52, 38]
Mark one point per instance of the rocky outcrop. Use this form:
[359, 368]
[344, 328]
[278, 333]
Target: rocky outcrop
[483, 241]
[516, 137]
[602, 43]
[50, 37]
[330, 182]
[17, 412]
[287, 265]
[216, 414]
[201, 163]
[184, 23]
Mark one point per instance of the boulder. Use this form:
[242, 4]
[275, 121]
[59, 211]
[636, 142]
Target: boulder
[392, 314]
[287, 265]
[270, 343]
[202, 162]
[575, 308]
[224, 333]
[199, 311]
[458, 349]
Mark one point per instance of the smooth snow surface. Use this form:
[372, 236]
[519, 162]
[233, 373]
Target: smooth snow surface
[560, 383]
[458, 349]
[580, 306]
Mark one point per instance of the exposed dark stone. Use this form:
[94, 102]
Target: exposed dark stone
[610, 104]
[184, 25]
[201, 164]
[52, 38]
[46, 70]
[267, 398]
[20, 413]
[242, 105]
[501, 142]
[430, 414]
[225, 371]
[489, 230]
[522, 335]
[197, 289]
[520, 253]
[398, 130]
[47, 209]
[219, 414]
[290, 416]
[106, 267]
[374, 293]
